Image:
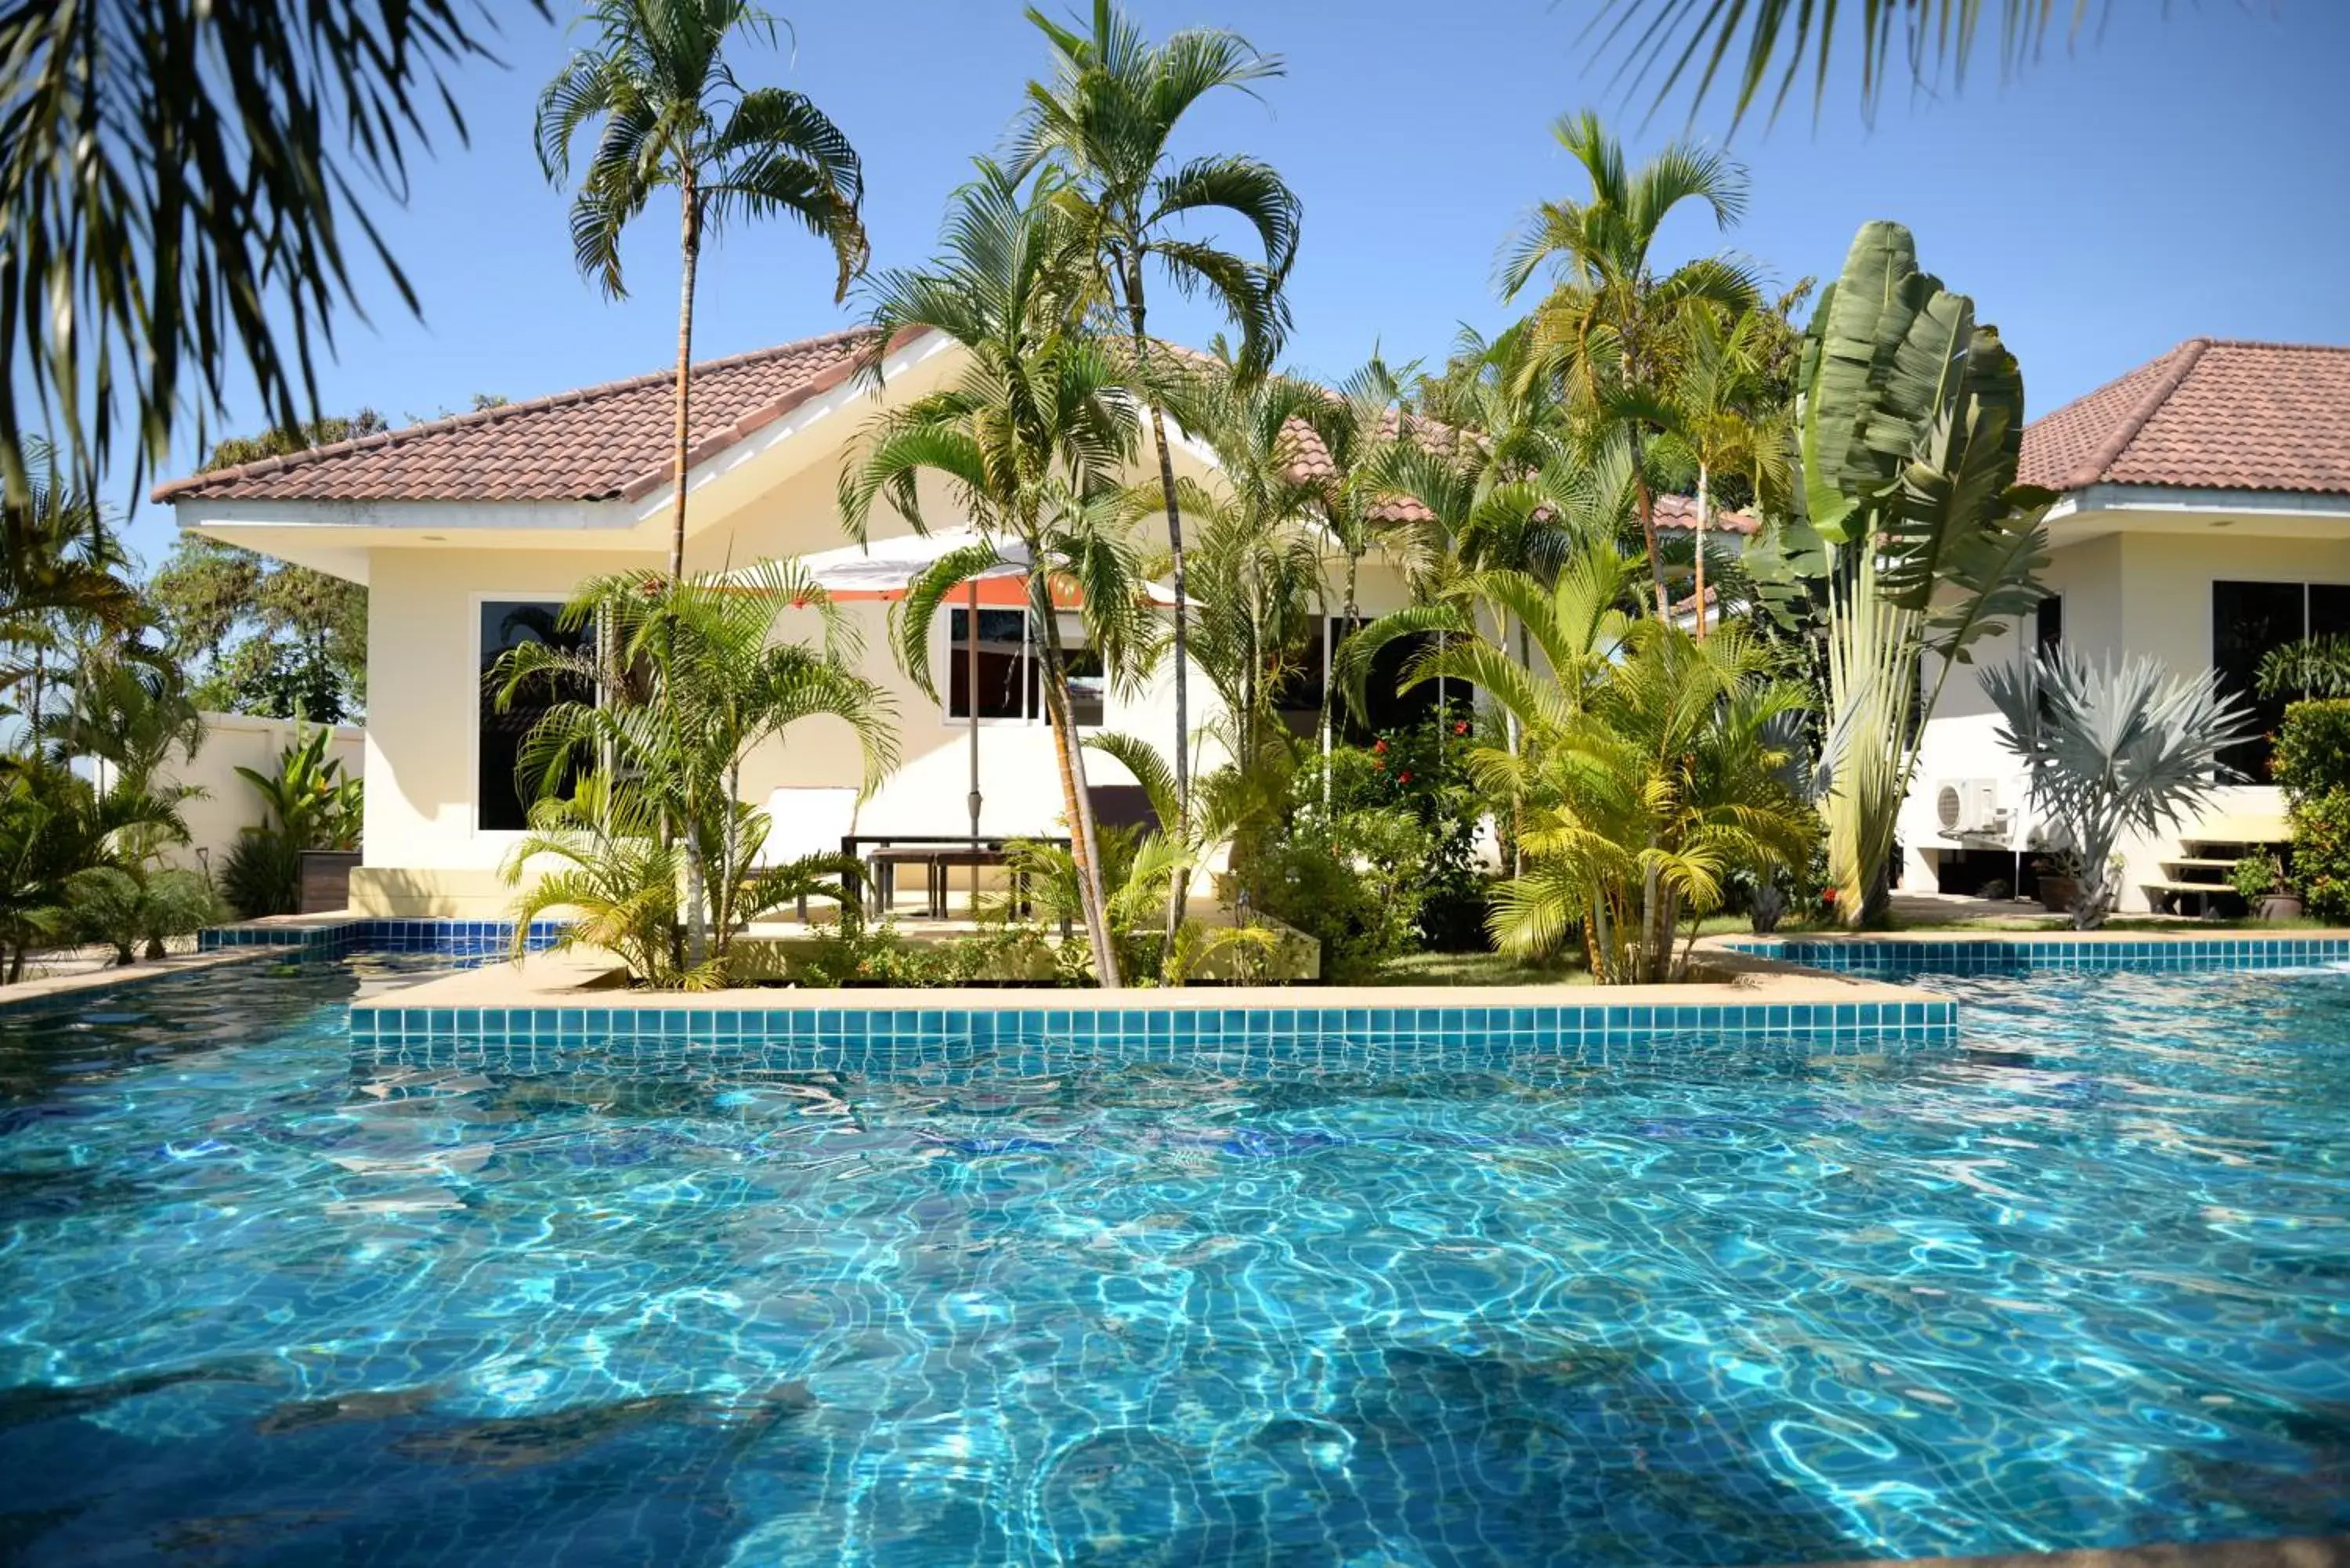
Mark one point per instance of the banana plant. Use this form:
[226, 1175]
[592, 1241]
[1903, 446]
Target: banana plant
[1904, 534]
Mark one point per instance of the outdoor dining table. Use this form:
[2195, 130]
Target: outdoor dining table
[883, 854]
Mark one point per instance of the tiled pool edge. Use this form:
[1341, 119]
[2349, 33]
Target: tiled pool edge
[338, 936]
[1993, 953]
[826, 1030]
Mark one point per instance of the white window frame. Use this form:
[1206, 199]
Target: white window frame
[474, 601]
[948, 648]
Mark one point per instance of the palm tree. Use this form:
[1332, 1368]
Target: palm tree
[61, 572]
[1606, 327]
[2114, 748]
[1105, 120]
[181, 181]
[1032, 439]
[715, 682]
[1651, 768]
[673, 115]
[1256, 574]
[131, 711]
[1719, 403]
[1675, 35]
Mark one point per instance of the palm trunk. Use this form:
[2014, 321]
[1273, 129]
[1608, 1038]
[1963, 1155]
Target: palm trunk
[689, 255]
[1703, 500]
[1647, 503]
[1076, 802]
[1178, 883]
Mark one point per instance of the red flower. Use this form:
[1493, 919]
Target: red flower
[1380, 747]
[1404, 777]
[1461, 728]
[1827, 895]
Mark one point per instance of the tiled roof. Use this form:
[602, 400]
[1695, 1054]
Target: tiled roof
[2211, 414]
[599, 444]
[612, 442]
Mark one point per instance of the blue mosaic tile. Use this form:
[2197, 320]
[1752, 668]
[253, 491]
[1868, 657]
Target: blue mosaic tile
[1882, 958]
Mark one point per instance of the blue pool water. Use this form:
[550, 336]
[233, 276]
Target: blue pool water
[2084, 1280]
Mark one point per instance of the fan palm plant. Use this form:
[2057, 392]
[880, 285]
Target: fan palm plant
[712, 680]
[1032, 440]
[674, 116]
[1606, 327]
[2114, 748]
[1107, 120]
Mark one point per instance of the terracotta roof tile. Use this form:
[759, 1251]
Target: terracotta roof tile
[599, 444]
[2213, 413]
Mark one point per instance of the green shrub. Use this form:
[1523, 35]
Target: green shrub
[263, 874]
[136, 909]
[2313, 747]
[2321, 852]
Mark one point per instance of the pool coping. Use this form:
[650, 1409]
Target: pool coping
[50, 989]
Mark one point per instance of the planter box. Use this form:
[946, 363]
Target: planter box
[2058, 893]
[2278, 905]
[326, 882]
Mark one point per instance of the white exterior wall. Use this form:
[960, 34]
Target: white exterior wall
[229, 805]
[2131, 586]
[424, 851]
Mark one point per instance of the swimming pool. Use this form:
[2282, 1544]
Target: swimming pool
[2084, 1280]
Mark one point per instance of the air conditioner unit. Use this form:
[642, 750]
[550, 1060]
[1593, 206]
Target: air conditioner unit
[1969, 808]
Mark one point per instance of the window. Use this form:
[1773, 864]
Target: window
[2248, 619]
[1012, 665]
[2050, 627]
[508, 624]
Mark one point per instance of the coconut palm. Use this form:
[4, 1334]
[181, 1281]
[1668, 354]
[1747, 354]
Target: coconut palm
[1107, 120]
[1032, 439]
[181, 181]
[711, 680]
[2114, 748]
[1606, 327]
[673, 117]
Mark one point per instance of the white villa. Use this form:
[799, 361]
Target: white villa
[458, 524]
[2204, 517]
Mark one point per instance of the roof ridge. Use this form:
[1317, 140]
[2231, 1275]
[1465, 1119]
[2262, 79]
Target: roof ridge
[2277, 343]
[2183, 361]
[260, 467]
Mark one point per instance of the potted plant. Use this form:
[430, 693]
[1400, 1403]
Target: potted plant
[2259, 879]
[2060, 880]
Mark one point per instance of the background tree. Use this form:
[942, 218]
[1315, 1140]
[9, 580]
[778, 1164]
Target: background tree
[672, 116]
[1108, 120]
[179, 199]
[262, 636]
[1606, 327]
[62, 578]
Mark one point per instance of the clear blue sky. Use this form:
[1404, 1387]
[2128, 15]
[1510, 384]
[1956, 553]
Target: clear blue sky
[2177, 176]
